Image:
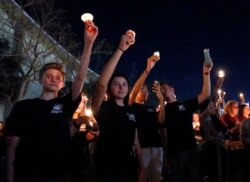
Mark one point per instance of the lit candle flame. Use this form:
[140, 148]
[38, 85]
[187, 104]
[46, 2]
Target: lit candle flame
[88, 112]
[221, 74]
[241, 95]
[157, 53]
[87, 16]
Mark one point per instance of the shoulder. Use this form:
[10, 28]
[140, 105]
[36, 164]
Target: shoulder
[26, 102]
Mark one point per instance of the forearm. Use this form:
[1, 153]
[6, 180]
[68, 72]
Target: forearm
[161, 114]
[137, 86]
[109, 68]
[82, 71]
[102, 82]
[206, 88]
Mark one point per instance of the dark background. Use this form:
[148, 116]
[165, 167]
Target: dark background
[180, 30]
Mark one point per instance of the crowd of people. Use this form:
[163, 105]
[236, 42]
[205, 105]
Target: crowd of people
[52, 139]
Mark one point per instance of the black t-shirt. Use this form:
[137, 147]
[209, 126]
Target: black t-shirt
[43, 128]
[147, 125]
[115, 142]
[180, 134]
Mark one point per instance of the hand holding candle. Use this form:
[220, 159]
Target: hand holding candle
[157, 56]
[219, 93]
[131, 34]
[208, 60]
[86, 17]
[242, 98]
[89, 123]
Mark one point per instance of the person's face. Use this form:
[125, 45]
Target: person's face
[234, 109]
[195, 117]
[143, 93]
[52, 80]
[119, 88]
[167, 91]
[246, 111]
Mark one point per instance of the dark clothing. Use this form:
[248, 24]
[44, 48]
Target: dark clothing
[45, 147]
[179, 125]
[147, 126]
[115, 160]
[181, 144]
[230, 122]
[2, 156]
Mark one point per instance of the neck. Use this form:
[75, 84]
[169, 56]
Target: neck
[119, 102]
[48, 95]
[232, 115]
[170, 100]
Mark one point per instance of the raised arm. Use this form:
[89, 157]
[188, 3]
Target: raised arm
[107, 71]
[161, 113]
[138, 84]
[206, 88]
[90, 34]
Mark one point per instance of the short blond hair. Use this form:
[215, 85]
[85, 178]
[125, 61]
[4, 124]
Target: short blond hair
[54, 65]
[228, 105]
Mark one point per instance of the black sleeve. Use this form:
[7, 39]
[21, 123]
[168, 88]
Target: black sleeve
[14, 122]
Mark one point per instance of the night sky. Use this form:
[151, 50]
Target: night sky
[180, 30]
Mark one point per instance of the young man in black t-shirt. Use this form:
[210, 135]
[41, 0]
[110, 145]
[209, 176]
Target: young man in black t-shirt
[181, 144]
[39, 131]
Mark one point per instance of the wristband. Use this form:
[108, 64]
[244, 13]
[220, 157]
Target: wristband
[120, 49]
[205, 73]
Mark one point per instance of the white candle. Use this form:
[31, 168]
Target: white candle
[157, 53]
[241, 95]
[132, 34]
[219, 93]
[221, 74]
[87, 16]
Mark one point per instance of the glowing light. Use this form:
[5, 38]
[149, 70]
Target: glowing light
[87, 16]
[221, 73]
[241, 95]
[88, 112]
[219, 93]
[132, 34]
[156, 82]
[157, 53]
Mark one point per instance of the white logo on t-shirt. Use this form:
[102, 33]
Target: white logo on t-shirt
[150, 110]
[57, 108]
[131, 116]
[181, 108]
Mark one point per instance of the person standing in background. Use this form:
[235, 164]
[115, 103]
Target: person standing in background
[181, 144]
[148, 122]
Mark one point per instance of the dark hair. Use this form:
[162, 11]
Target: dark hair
[241, 108]
[165, 83]
[54, 65]
[110, 97]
